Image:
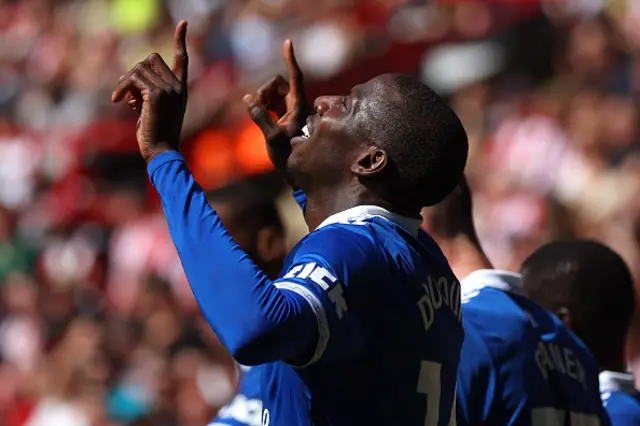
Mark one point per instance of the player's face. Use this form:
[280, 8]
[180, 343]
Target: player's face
[333, 139]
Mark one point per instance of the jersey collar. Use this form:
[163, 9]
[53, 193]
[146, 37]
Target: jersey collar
[492, 278]
[611, 381]
[359, 213]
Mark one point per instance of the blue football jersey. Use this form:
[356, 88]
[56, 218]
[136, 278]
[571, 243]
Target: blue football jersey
[620, 398]
[246, 407]
[388, 313]
[519, 365]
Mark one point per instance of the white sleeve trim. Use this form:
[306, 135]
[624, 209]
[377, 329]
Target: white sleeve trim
[321, 318]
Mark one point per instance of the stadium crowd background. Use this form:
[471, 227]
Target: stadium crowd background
[98, 326]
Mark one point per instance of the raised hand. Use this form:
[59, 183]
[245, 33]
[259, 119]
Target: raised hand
[158, 95]
[289, 103]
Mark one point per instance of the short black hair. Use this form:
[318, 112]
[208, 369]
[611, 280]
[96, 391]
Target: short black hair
[252, 199]
[593, 283]
[453, 216]
[425, 141]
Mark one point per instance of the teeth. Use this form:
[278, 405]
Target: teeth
[305, 132]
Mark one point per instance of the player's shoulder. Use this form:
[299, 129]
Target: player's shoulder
[339, 236]
[620, 398]
[493, 304]
[622, 401]
[491, 295]
[336, 247]
[360, 232]
[491, 283]
[622, 408]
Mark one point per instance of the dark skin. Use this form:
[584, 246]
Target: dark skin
[464, 253]
[451, 223]
[330, 166]
[158, 95]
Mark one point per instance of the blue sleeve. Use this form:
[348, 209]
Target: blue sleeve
[246, 407]
[477, 380]
[255, 320]
[335, 269]
[258, 320]
[623, 409]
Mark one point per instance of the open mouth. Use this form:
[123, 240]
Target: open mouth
[306, 134]
[308, 129]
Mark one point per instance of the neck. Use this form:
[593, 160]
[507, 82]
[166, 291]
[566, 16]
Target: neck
[323, 203]
[465, 255]
[481, 259]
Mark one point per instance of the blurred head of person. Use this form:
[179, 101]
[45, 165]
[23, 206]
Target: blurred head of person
[451, 223]
[248, 211]
[156, 295]
[590, 288]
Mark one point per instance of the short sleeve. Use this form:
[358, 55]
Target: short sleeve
[331, 270]
[476, 381]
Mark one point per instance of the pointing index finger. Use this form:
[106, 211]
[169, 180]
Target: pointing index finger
[180, 58]
[295, 74]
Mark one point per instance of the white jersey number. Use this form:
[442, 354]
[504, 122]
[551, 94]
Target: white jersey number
[243, 410]
[429, 384]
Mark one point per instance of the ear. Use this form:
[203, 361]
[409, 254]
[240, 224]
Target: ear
[371, 162]
[565, 316]
[270, 244]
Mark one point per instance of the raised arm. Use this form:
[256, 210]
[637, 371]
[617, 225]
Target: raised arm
[254, 319]
[257, 319]
[288, 102]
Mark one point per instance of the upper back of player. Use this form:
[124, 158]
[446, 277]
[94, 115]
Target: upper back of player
[391, 313]
[620, 398]
[537, 372]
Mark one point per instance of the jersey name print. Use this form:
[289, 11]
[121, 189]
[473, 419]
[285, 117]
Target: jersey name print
[519, 364]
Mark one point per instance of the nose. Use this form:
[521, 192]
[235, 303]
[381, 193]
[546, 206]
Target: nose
[324, 103]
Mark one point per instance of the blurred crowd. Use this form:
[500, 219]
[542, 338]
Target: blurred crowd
[98, 325]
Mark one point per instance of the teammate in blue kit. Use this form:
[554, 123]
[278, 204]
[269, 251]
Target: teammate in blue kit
[519, 365]
[248, 211]
[591, 289]
[364, 325]
[246, 407]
